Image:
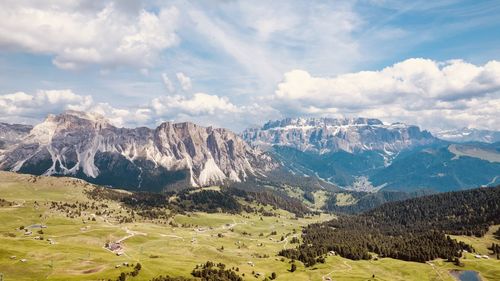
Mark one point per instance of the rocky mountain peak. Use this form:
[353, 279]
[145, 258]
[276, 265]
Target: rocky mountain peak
[88, 146]
[320, 122]
[323, 135]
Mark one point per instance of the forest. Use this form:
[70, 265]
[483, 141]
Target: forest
[411, 230]
[209, 201]
[273, 198]
[366, 201]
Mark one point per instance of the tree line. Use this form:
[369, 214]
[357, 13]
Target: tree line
[410, 230]
[365, 201]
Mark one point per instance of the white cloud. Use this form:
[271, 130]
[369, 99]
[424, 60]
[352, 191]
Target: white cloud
[184, 80]
[199, 104]
[123, 117]
[77, 35]
[201, 108]
[168, 84]
[433, 94]
[210, 110]
[32, 108]
[22, 106]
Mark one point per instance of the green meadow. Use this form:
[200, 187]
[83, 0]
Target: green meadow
[243, 241]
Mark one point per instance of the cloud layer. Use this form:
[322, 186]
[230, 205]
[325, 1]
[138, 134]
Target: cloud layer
[78, 33]
[202, 108]
[433, 94]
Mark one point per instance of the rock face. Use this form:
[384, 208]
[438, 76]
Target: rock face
[469, 135]
[12, 133]
[326, 135]
[88, 146]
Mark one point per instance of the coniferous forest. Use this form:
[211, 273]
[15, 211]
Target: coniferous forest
[411, 230]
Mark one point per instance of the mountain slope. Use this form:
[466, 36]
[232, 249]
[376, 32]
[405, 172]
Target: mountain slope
[342, 168]
[438, 168]
[88, 146]
[11, 133]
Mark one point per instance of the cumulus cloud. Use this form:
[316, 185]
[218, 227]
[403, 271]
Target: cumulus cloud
[78, 34]
[184, 81]
[31, 108]
[433, 94]
[201, 108]
[121, 117]
[199, 104]
[21, 104]
[210, 110]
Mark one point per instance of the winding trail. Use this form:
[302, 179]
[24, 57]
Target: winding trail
[130, 233]
[349, 268]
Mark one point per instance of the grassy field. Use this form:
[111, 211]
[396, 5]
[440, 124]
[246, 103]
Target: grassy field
[194, 238]
[345, 199]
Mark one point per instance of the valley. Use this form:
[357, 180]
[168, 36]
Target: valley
[74, 237]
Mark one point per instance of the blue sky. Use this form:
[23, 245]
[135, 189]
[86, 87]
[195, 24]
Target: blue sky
[236, 64]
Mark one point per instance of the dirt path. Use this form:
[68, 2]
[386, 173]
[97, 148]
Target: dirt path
[171, 235]
[224, 226]
[349, 268]
[130, 233]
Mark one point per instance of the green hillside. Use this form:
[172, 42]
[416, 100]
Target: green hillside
[81, 218]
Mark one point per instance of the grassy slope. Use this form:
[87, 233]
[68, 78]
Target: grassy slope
[78, 254]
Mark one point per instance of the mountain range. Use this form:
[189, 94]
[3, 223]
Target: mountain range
[356, 154]
[328, 135]
[367, 155]
[87, 146]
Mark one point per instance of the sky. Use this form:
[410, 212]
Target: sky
[238, 64]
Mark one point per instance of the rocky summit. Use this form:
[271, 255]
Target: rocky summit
[325, 135]
[88, 146]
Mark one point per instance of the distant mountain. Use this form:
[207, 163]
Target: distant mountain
[367, 155]
[327, 135]
[88, 146]
[469, 135]
[11, 133]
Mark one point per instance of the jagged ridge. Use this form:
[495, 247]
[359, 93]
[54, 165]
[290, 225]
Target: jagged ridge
[325, 135]
[87, 145]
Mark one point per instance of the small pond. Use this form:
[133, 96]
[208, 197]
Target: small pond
[466, 275]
